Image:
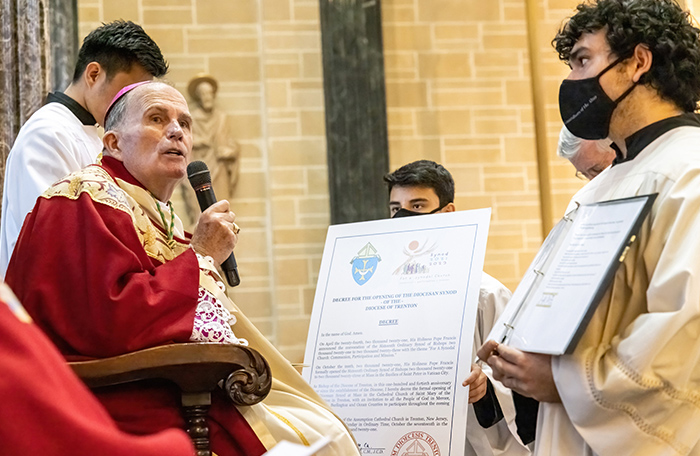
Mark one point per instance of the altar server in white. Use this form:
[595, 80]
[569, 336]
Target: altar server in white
[62, 136]
[632, 385]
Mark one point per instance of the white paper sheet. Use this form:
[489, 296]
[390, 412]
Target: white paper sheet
[556, 293]
[390, 339]
[285, 448]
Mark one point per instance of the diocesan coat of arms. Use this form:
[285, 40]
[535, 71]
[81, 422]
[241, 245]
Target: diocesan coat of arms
[364, 265]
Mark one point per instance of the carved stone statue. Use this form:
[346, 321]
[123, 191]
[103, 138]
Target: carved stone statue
[214, 143]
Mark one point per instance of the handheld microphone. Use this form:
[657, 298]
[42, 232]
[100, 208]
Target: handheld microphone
[200, 179]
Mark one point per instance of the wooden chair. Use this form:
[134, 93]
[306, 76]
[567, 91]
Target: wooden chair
[197, 368]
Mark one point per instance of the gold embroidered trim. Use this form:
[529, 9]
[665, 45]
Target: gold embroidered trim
[665, 435]
[102, 189]
[153, 240]
[294, 428]
[94, 181]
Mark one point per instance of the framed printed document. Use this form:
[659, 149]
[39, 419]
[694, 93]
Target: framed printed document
[559, 293]
[391, 332]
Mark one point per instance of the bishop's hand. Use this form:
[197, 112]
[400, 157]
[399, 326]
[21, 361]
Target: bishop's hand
[216, 234]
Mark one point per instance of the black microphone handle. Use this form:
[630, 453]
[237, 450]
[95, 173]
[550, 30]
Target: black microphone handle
[230, 269]
[205, 198]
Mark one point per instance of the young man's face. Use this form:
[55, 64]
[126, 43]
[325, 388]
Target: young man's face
[590, 56]
[416, 199]
[106, 88]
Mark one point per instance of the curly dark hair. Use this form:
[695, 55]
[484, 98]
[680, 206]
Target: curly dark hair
[116, 46]
[424, 173]
[661, 25]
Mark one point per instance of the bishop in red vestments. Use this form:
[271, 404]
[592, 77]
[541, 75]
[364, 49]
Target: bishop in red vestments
[104, 267]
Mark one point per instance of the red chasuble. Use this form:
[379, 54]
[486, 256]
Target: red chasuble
[46, 410]
[87, 273]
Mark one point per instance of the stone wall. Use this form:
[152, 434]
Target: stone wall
[459, 92]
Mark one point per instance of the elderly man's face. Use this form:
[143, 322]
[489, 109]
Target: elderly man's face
[591, 160]
[155, 141]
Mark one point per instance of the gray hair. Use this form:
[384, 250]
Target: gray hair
[570, 145]
[117, 112]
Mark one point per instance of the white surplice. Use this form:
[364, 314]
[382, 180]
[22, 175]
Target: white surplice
[632, 386]
[50, 145]
[501, 438]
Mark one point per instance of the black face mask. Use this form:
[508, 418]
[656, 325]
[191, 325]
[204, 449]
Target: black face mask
[585, 108]
[406, 213]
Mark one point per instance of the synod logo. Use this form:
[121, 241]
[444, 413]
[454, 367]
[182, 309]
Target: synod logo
[364, 265]
[418, 257]
[416, 443]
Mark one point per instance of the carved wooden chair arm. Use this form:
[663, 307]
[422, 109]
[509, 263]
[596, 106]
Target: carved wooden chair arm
[195, 367]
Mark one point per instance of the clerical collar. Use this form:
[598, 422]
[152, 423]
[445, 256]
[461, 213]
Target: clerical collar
[78, 111]
[639, 140]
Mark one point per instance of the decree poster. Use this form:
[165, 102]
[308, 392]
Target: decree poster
[391, 332]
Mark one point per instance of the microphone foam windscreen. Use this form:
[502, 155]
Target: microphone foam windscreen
[198, 173]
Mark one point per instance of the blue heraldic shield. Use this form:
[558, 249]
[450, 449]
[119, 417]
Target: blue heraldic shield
[364, 265]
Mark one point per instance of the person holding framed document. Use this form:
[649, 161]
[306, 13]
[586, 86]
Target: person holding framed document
[630, 384]
[425, 187]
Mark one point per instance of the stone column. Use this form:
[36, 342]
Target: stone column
[63, 28]
[38, 48]
[24, 76]
[356, 125]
